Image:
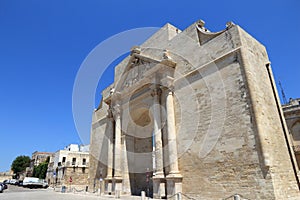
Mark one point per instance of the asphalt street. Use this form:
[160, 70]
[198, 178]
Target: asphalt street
[20, 193]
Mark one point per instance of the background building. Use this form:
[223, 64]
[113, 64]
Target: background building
[6, 175]
[69, 167]
[36, 159]
[292, 117]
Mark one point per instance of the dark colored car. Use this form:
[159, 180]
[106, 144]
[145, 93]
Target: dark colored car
[20, 183]
[3, 187]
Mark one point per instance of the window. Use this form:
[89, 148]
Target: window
[73, 161]
[84, 161]
[83, 170]
[74, 169]
[64, 159]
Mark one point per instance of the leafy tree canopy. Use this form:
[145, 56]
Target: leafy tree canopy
[20, 163]
[40, 171]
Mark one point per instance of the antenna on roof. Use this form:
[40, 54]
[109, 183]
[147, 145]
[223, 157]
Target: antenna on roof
[282, 93]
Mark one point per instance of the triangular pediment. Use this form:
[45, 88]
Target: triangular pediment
[136, 70]
[137, 60]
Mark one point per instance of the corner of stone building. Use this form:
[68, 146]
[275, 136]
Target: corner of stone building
[191, 32]
[161, 37]
[273, 147]
[172, 30]
[97, 137]
[249, 41]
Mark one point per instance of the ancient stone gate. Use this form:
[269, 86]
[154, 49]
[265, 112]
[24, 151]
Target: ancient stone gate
[194, 112]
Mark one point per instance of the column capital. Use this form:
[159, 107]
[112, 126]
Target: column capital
[168, 83]
[116, 111]
[156, 91]
[109, 114]
[170, 90]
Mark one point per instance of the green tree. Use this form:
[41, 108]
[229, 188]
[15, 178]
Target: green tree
[36, 171]
[43, 170]
[40, 171]
[20, 163]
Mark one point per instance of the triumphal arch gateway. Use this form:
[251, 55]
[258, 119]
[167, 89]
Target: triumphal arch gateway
[197, 113]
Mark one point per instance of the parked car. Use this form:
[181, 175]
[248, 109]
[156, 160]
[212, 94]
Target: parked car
[19, 183]
[45, 183]
[32, 182]
[12, 181]
[4, 186]
[1, 188]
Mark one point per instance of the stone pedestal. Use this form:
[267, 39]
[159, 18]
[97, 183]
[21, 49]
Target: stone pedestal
[116, 185]
[108, 186]
[174, 184]
[158, 187]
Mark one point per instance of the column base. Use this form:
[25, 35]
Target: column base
[174, 183]
[117, 186]
[108, 185]
[159, 187]
[174, 174]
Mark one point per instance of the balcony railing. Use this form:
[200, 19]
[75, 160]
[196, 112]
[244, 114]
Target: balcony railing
[76, 164]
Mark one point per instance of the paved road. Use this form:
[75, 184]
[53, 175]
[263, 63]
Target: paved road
[20, 193]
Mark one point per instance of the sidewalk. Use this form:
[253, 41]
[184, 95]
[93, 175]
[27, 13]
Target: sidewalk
[96, 195]
[106, 197]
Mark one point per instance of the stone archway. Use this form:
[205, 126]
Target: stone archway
[139, 145]
[136, 104]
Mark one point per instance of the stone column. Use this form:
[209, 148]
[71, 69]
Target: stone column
[171, 130]
[125, 171]
[158, 176]
[117, 179]
[110, 150]
[174, 178]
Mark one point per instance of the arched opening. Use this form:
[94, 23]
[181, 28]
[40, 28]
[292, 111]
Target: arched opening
[139, 141]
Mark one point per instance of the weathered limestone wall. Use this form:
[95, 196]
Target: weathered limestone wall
[236, 163]
[79, 178]
[230, 134]
[270, 125]
[5, 176]
[98, 147]
[233, 164]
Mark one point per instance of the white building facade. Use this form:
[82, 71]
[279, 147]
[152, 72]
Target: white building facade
[69, 167]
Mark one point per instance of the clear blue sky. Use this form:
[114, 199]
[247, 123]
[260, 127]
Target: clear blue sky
[43, 43]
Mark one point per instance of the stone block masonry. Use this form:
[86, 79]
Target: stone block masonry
[194, 112]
